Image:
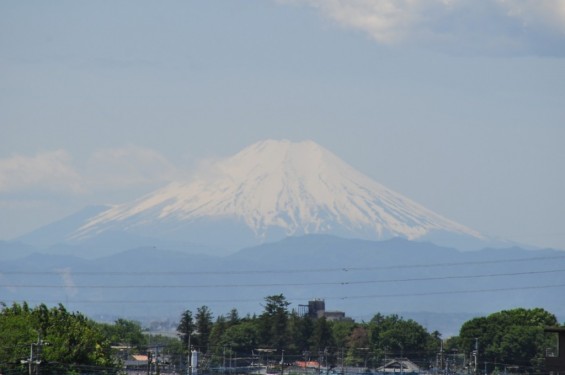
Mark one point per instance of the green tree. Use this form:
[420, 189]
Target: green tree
[300, 329]
[241, 338]
[341, 331]
[218, 331]
[63, 340]
[357, 345]
[398, 337]
[185, 329]
[203, 327]
[322, 337]
[233, 317]
[512, 337]
[75, 339]
[17, 335]
[273, 322]
[40, 316]
[125, 332]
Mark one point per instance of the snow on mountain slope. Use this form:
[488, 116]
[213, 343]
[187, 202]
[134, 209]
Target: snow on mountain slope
[296, 188]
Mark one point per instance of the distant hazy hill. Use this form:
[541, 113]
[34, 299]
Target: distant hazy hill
[13, 250]
[355, 276]
[268, 191]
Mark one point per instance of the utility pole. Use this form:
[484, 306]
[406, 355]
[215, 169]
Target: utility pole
[157, 370]
[188, 359]
[30, 359]
[306, 355]
[441, 355]
[343, 360]
[153, 355]
[401, 359]
[37, 359]
[476, 353]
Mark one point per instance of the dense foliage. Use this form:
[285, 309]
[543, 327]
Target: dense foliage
[510, 340]
[54, 339]
[332, 343]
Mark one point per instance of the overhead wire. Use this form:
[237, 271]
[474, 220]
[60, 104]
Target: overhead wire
[252, 285]
[345, 270]
[284, 271]
[369, 296]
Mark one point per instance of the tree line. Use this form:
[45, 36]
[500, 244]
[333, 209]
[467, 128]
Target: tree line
[58, 340]
[507, 340]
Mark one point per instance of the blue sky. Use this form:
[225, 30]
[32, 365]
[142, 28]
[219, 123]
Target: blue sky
[457, 104]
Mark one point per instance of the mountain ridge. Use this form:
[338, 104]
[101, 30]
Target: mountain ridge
[268, 191]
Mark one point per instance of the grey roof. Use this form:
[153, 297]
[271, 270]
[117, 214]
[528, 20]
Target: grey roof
[396, 365]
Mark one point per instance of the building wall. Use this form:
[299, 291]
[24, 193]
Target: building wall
[557, 364]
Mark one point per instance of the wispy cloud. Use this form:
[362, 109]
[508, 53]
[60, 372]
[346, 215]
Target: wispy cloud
[105, 170]
[48, 171]
[387, 21]
[546, 14]
[488, 25]
[122, 168]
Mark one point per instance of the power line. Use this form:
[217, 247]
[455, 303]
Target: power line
[283, 271]
[369, 296]
[471, 291]
[252, 285]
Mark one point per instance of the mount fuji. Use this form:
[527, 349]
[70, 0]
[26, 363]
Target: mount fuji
[268, 191]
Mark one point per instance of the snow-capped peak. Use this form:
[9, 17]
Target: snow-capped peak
[295, 188]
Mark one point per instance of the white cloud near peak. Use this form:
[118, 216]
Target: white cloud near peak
[120, 168]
